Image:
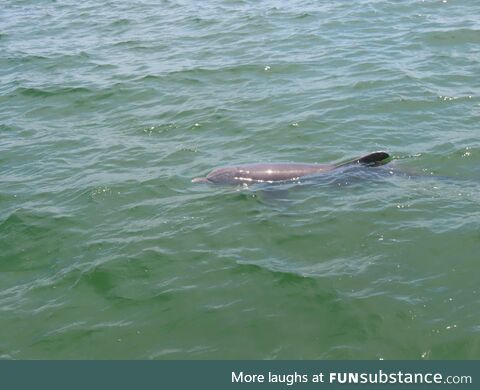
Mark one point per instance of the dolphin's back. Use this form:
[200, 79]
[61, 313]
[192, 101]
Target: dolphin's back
[264, 173]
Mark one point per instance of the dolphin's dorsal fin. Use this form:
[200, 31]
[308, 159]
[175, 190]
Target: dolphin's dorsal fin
[375, 158]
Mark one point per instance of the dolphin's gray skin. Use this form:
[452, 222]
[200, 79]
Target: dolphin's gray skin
[282, 172]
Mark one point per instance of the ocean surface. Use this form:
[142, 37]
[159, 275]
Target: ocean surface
[108, 109]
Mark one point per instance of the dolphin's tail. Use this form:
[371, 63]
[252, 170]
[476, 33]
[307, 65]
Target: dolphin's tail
[372, 159]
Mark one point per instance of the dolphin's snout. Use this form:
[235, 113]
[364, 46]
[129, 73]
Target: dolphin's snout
[200, 180]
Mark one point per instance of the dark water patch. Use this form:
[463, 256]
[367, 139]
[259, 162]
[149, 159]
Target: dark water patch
[101, 281]
[462, 36]
[28, 59]
[120, 23]
[45, 234]
[106, 67]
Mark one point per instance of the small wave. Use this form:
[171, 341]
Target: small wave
[120, 22]
[450, 37]
[39, 92]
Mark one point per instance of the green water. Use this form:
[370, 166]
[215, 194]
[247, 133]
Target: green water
[108, 110]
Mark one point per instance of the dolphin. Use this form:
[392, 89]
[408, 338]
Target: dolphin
[283, 172]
